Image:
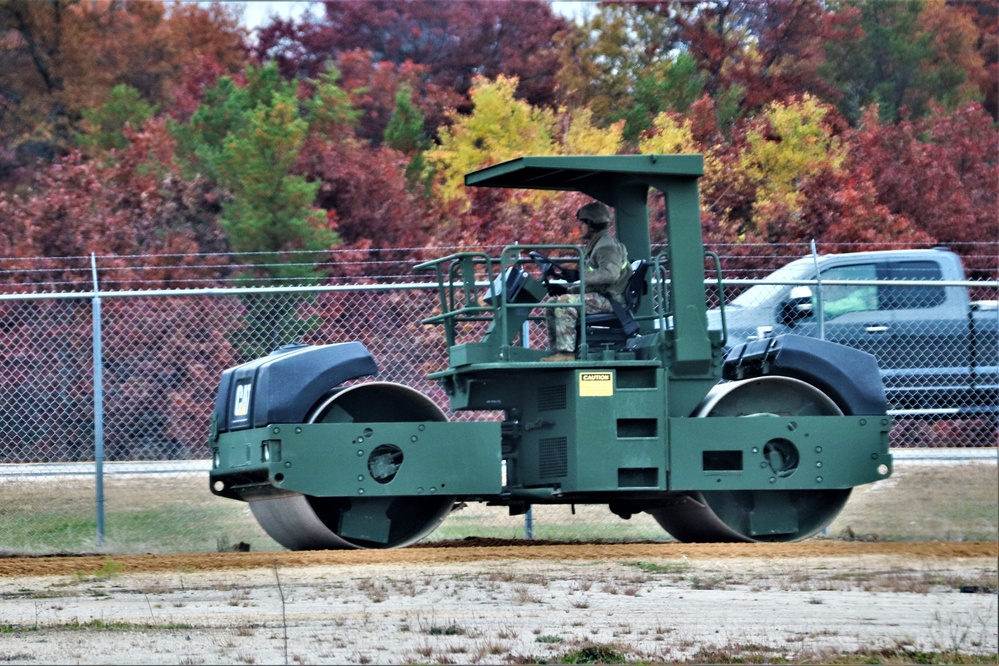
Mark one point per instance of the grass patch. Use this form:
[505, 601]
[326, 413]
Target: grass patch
[663, 568]
[96, 624]
[123, 626]
[550, 522]
[760, 654]
[109, 569]
[171, 514]
[178, 514]
[594, 654]
[925, 503]
[549, 638]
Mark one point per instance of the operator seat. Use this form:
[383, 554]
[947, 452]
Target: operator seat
[612, 330]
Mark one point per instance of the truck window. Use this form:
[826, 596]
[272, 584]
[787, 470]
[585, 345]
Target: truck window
[773, 289]
[838, 300]
[914, 297]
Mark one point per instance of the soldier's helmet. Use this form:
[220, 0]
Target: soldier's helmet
[595, 214]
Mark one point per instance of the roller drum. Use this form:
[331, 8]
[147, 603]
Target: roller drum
[721, 515]
[305, 522]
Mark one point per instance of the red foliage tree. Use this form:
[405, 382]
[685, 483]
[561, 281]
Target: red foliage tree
[134, 203]
[149, 227]
[764, 50]
[367, 191]
[445, 43]
[941, 172]
[62, 57]
[372, 87]
[985, 15]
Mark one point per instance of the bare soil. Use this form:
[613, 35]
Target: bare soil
[479, 550]
[485, 601]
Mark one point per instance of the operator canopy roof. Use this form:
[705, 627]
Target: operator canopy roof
[585, 173]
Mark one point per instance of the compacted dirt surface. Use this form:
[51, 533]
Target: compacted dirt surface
[484, 601]
[495, 550]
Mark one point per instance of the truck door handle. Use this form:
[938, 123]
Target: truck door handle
[876, 328]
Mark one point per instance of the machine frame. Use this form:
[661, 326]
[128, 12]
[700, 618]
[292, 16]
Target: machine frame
[763, 442]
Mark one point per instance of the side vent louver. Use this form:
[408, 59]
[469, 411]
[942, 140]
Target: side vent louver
[551, 398]
[553, 460]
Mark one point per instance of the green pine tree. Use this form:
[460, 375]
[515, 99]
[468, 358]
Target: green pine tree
[104, 125]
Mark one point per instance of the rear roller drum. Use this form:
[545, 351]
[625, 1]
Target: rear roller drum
[304, 522]
[719, 515]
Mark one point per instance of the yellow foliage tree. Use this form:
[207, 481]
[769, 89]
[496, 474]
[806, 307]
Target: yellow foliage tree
[673, 133]
[501, 128]
[790, 140]
[584, 138]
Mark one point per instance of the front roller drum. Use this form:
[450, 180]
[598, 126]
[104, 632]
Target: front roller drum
[305, 522]
[732, 515]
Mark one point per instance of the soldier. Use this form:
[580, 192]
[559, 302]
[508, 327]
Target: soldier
[606, 273]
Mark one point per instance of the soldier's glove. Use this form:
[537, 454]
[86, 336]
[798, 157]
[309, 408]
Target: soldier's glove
[567, 274]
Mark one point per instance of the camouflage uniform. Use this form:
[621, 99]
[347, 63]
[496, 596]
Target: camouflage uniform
[606, 272]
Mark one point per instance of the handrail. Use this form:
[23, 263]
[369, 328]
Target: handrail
[721, 293]
[456, 278]
[459, 266]
[665, 307]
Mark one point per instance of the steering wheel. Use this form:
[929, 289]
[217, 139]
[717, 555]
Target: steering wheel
[552, 269]
[548, 266]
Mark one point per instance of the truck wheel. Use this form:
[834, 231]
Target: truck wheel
[709, 516]
[305, 522]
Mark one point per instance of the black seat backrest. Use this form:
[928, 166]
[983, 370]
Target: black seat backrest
[613, 328]
[636, 287]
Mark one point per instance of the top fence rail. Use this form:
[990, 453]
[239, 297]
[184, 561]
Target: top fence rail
[348, 267]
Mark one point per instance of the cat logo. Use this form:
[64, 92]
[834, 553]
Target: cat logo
[241, 407]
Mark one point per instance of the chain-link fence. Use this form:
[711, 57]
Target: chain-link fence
[106, 396]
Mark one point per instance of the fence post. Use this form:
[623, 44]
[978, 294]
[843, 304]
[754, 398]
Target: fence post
[98, 405]
[818, 293]
[525, 341]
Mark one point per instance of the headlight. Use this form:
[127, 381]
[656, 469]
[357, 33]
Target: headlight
[270, 450]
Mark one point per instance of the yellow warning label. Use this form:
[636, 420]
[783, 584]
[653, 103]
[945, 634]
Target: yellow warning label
[596, 384]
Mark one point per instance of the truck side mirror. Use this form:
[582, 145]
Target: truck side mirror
[798, 306]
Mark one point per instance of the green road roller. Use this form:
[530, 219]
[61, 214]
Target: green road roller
[652, 412]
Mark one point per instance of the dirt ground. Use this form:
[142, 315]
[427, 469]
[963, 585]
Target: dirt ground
[485, 602]
[477, 550]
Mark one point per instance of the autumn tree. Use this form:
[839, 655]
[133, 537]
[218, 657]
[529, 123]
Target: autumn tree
[149, 228]
[985, 16]
[901, 54]
[940, 171]
[136, 204]
[785, 177]
[437, 46]
[367, 189]
[501, 127]
[373, 87]
[62, 57]
[624, 64]
[633, 60]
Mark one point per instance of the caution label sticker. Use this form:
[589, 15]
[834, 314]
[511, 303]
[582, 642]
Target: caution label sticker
[596, 384]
